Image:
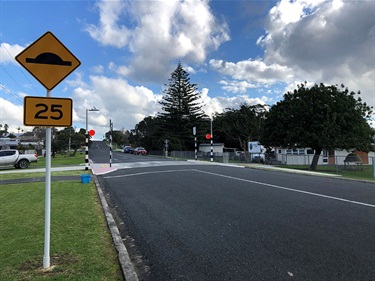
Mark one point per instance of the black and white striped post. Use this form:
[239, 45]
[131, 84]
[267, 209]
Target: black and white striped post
[110, 142]
[87, 137]
[195, 143]
[212, 144]
[87, 151]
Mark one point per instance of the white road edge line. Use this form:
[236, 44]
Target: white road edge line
[146, 173]
[290, 189]
[126, 264]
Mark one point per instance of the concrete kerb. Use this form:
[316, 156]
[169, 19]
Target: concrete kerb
[267, 167]
[291, 171]
[124, 259]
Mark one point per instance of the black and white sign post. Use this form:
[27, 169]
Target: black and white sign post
[50, 62]
[110, 141]
[212, 144]
[195, 143]
[88, 137]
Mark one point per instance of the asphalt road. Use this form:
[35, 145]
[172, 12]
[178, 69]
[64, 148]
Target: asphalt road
[208, 222]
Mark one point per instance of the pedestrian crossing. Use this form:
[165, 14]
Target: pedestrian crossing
[105, 168]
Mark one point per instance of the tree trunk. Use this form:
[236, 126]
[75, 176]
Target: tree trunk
[243, 145]
[75, 151]
[314, 162]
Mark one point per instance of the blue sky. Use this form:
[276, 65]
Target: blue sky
[235, 51]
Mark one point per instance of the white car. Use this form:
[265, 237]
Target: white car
[12, 157]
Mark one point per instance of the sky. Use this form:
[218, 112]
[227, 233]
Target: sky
[234, 51]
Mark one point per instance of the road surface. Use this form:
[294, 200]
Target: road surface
[210, 222]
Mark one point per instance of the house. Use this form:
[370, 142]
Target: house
[218, 148]
[304, 156]
[8, 143]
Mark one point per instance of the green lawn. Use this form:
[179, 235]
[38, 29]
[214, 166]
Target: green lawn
[364, 172]
[60, 160]
[81, 246]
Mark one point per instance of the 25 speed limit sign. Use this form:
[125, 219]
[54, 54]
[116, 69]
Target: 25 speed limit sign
[49, 112]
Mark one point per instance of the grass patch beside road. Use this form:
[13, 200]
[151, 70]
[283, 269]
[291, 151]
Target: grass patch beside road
[60, 160]
[10, 176]
[363, 173]
[81, 246]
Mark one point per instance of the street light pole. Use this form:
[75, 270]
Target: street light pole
[87, 137]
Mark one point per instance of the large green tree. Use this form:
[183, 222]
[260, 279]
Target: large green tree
[67, 136]
[147, 133]
[243, 124]
[319, 117]
[182, 110]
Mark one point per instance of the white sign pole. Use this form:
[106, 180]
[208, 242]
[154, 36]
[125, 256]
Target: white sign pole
[47, 211]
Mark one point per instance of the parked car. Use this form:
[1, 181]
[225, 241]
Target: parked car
[12, 157]
[128, 149]
[140, 151]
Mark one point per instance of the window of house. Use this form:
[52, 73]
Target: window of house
[310, 151]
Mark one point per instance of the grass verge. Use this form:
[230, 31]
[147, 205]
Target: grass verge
[364, 172]
[81, 246]
[60, 160]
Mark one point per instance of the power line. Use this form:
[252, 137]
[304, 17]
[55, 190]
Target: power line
[19, 67]
[10, 92]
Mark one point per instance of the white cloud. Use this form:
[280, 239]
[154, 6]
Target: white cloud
[219, 104]
[8, 53]
[116, 100]
[97, 69]
[158, 33]
[255, 71]
[324, 41]
[108, 32]
[236, 86]
[329, 42]
[11, 114]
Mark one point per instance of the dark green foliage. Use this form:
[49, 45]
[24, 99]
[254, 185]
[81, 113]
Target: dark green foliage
[3, 130]
[320, 117]
[243, 124]
[147, 134]
[61, 139]
[181, 99]
[182, 110]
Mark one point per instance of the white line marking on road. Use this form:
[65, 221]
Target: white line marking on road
[146, 173]
[290, 189]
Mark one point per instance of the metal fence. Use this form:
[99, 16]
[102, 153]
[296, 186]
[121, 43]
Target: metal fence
[326, 163]
[223, 157]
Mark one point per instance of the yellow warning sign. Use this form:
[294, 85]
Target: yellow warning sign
[50, 112]
[48, 60]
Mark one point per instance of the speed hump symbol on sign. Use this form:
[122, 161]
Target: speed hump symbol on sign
[48, 60]
[50, 112]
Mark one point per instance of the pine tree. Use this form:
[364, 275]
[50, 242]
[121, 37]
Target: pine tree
[182, 109]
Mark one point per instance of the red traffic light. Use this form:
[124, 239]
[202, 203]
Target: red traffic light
[208, 136]
[91, 133]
